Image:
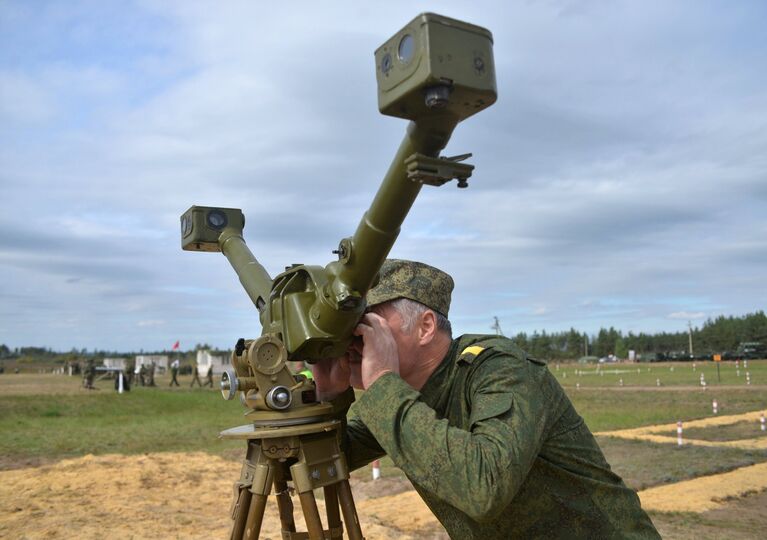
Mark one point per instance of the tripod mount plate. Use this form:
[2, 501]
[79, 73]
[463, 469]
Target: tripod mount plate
[250, 431]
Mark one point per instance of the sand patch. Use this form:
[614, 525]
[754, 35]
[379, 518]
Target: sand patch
[159, 495]
[655, 433]
[707, 492]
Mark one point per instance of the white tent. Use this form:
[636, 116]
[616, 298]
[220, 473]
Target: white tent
[205, 360]
[114, 363]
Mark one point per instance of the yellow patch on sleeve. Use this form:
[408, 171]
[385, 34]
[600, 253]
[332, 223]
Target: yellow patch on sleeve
[474, 349]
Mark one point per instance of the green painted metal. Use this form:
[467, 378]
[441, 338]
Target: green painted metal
[435, 72]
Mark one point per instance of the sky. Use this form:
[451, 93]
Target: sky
[621, 177]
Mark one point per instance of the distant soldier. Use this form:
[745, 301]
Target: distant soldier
[174, 373]
[195, 377]
[142, 375]
[301, 369]
[150, 372]
[209, 377]
[131, 371]
[89, 374]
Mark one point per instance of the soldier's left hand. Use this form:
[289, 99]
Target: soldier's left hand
[379, 353]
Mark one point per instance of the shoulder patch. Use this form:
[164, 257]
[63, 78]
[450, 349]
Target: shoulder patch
[470, 353]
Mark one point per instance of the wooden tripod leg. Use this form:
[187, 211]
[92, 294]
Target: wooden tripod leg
[311, 515]
[334, 518]
[255, 516]
[241, 513]
[350, 512]
[285, 505]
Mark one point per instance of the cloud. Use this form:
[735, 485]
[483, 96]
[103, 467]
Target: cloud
[685, 315]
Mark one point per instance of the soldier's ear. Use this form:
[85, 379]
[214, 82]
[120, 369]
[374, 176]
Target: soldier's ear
[427, 327]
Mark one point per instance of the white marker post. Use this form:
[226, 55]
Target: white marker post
[745, 364]
[657, 382]
[376, 469]
[679, 433]
[620, 382]
[577, 386]
[761, 421]
[748, 377]
[120, 383]
[715, 407]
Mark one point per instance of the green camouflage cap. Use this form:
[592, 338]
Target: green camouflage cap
[414, 280]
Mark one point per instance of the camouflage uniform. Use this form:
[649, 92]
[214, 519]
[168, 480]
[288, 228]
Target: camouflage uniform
[195, 377]
[89, 374]
[492, 444]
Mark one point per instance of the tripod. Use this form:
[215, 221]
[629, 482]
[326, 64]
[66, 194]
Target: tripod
[309, 456]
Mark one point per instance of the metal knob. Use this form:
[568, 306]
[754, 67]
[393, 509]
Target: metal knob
[279, 398]
[229, 383]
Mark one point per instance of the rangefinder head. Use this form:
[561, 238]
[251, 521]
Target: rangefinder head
[201, 226]
[436, 65]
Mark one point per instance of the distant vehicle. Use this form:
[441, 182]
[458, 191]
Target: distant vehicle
[751, 350]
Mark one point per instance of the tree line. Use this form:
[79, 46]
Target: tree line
[719, 335]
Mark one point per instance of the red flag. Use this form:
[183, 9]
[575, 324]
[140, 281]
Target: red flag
[175, 346]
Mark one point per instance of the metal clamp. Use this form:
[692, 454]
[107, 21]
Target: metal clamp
[435, 171]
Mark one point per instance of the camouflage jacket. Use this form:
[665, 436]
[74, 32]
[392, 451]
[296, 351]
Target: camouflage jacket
[495, 449]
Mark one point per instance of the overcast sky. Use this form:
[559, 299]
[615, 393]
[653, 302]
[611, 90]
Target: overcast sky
[621, 178]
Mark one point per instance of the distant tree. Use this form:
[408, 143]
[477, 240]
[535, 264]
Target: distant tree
[620, 348]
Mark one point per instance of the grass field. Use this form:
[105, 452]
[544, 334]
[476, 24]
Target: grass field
[45, 417]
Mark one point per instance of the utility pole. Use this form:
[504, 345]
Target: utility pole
[689, 333]
[585, 345]
[497, 327]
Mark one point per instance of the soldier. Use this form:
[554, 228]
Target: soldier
[485, 433]
[150, 375]
[130, 371]
[209, 377]
[195, 376]
[142, 375]
[89, 374]
[174, 373]
[301, 369]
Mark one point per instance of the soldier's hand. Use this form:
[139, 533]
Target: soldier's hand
[332, 377]
[379, 352]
